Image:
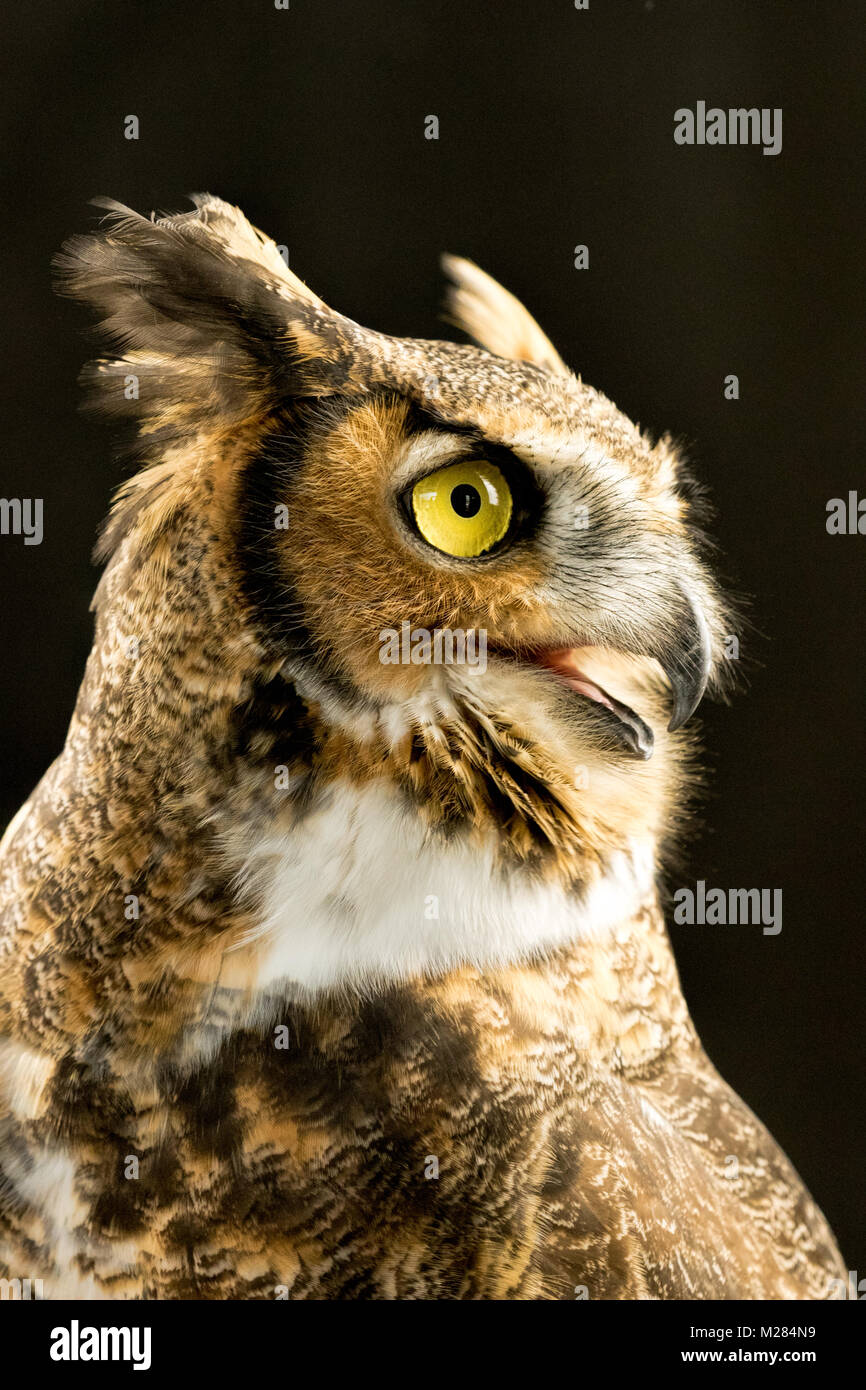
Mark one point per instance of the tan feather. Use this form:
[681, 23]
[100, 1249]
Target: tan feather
[495, 318]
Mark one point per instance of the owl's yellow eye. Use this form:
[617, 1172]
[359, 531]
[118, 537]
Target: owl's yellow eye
[464, 509]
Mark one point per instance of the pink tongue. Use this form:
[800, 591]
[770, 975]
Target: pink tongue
[564, 661]
[585, 687]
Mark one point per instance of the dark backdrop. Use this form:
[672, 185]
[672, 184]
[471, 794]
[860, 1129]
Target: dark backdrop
[556, 128]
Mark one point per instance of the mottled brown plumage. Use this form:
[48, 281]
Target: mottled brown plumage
[327, 978]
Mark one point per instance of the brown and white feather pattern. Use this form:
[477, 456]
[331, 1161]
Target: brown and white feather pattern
[216, 956]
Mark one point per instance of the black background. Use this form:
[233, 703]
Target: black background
[556, 128]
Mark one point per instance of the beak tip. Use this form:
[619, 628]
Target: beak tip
[679, 717]
[685, 704]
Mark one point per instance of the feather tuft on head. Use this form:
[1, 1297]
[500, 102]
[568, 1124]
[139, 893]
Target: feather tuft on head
[210, 326]
[494, 318]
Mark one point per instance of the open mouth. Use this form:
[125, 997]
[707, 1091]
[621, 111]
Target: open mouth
[625, 727]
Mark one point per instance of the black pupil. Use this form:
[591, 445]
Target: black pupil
[466, 500]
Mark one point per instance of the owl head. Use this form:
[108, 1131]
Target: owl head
[456, 570]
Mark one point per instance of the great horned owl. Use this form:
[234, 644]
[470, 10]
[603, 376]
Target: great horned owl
[332, 958]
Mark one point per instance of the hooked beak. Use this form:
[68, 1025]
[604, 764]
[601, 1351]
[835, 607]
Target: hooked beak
[687, 663]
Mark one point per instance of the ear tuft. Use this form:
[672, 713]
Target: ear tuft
[478, 304]
[242, 240]
[205, 316]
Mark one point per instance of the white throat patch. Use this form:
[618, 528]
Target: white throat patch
[359, 894]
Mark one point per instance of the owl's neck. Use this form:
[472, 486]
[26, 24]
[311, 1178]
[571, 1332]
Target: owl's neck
[359, 894]
[352, 898]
